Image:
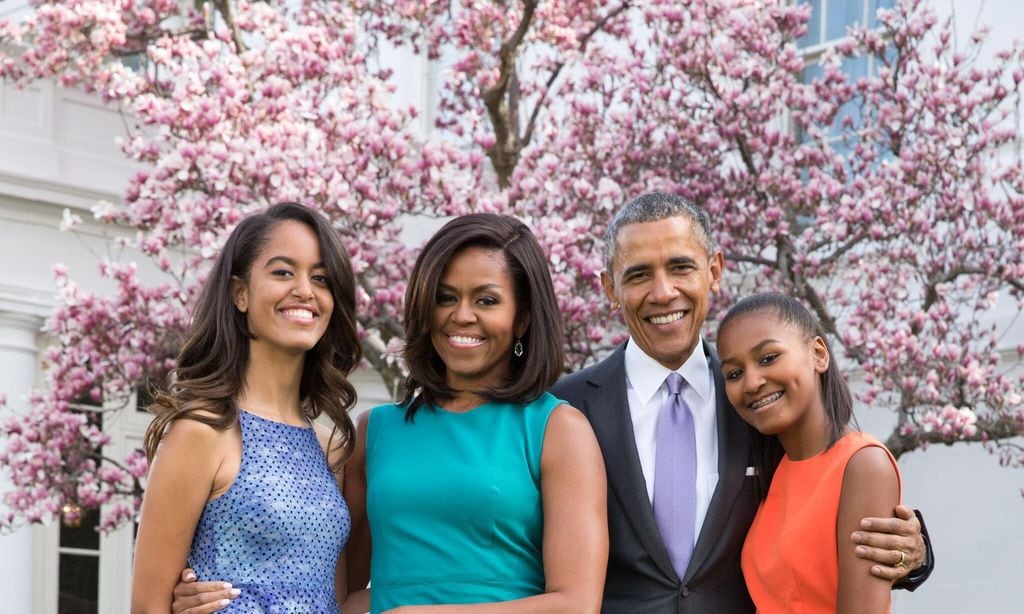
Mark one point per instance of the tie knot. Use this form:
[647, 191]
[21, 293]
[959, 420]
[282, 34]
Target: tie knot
[675, 383]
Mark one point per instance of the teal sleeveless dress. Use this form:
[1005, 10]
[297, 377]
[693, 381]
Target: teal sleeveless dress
[454, 504]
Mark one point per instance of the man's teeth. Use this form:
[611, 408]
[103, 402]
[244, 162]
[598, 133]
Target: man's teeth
[460, 340]
[665, 319]
[301, 314]
[768, 399]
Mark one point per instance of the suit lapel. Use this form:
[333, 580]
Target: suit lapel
[608, 408]
[733, 455]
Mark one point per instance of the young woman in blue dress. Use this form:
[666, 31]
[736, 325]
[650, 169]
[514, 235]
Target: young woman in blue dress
[479, 492]
[242, 484]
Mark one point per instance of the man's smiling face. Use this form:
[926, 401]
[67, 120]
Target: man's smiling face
[663, 278]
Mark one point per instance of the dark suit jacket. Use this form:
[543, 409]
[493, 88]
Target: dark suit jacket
[640, 575]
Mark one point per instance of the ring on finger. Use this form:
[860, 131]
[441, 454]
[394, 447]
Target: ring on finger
[903, 559]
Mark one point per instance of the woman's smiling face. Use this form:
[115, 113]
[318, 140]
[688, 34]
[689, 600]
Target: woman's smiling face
[474, 323]
[287, 297]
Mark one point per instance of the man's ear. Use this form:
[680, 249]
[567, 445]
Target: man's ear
[239, 294]
[609, 289]
[820, 352]
[717, 266]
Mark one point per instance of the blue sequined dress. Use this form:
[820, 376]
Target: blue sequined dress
[277, 531]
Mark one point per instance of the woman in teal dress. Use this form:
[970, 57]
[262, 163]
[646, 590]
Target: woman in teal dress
[480, 492]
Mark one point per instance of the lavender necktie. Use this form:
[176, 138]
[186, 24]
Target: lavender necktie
[675, 476]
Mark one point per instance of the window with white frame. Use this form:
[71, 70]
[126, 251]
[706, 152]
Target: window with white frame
[83, 571]
[829, 24]
[831, 18]
[78, 548]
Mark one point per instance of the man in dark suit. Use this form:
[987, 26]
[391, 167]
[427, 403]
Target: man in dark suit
[661, 270]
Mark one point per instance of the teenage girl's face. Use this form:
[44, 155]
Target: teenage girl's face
[287, 299]
[772, 372]
[474, 324]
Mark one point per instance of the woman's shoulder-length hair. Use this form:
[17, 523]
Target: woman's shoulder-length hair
[542, 360]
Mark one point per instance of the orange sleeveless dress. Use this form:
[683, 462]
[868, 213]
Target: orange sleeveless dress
[790, 560]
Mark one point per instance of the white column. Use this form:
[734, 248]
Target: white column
[19, 354]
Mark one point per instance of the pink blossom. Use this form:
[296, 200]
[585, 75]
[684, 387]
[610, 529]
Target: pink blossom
[902, 224]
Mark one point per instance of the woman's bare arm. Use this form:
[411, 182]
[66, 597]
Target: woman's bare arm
[181, 480]
[357, 551]
[870, 488]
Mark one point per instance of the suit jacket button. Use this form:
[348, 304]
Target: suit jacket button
[686, 591]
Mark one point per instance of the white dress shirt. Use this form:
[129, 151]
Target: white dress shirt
[646, 391]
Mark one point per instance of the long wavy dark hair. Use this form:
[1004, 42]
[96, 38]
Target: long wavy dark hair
[543, 358]
[835, 393]
[210, 369]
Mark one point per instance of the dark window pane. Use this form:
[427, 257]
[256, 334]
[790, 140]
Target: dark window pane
[813, 36]
[85, 399]
[92, 417]
[873, 9]
[135, 62]
[143, 397]
[841, 15]
[812, 72]
[79, 584]
[855, 68]
[84, 535]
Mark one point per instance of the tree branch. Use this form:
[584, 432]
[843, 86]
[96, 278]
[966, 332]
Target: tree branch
[136, 484]
[601, 23]
[932, 294]
[504, 154]
[224, 8]
[842, 249]
[821, 309]
[805, 290]
[751, 260]
[990, 430]
[784, 246]
[375, 352]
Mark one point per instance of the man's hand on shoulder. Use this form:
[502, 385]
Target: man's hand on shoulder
[895, 544]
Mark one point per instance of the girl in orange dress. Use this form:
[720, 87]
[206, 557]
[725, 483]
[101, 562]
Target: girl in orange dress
[780, 377]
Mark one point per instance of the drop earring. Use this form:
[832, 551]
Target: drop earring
[517, 349]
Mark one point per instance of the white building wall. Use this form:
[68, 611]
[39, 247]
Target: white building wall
[56, 151]
[18, 358]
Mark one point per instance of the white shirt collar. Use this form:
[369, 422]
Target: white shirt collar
[646, 375]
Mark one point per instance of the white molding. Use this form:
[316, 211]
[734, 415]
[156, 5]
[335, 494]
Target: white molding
[49, 215]
[20, 333]
[33, 306]
[81, 199]
[45, 568]
[14, 9]
[59, 145]
[126, 429]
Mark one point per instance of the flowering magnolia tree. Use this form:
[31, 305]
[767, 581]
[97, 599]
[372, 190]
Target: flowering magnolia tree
[891, 203]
